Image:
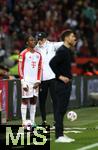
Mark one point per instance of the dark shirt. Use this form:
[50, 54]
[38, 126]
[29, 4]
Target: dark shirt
[61, 62]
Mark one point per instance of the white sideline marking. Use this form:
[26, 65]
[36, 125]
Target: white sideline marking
[88, 147]
[95, 128]
[73, 131]
[75, 128]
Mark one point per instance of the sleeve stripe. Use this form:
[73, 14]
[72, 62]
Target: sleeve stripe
[39, 68]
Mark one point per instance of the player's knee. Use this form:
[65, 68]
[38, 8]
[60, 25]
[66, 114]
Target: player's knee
[25, 101]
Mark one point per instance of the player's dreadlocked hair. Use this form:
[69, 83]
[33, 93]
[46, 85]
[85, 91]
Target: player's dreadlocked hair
[27, 36]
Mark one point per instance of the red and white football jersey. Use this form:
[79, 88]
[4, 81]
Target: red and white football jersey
[30, 66]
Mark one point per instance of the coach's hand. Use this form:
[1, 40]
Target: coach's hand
[64, 79]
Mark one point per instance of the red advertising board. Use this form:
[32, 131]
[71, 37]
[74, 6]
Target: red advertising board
[4, 100]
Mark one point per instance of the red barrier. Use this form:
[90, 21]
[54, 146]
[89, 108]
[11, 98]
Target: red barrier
[83, 60]
[4, 100]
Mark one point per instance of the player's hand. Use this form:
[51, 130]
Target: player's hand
[36, 85]
[64, 79]
[24, 85]
[25, 89]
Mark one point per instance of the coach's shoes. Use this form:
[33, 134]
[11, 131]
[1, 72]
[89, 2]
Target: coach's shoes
[64, 139]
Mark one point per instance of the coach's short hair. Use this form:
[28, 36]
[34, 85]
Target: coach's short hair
[66, 33]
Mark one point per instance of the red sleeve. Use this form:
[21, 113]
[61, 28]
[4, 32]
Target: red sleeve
[21, 61]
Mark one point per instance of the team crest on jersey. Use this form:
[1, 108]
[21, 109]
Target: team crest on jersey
[30, 57]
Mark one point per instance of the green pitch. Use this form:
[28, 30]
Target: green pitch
[84, 130]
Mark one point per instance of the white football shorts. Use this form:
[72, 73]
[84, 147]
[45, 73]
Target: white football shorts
[31, 91]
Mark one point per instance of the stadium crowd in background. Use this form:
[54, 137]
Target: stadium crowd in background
[20, 16]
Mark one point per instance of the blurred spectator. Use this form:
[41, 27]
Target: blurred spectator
[83, 50]
[14, 69]
[2, 52]
[72, 20]
[10, 5]
[89, 12]
[96, 37]
[80, 42]
[4, 73]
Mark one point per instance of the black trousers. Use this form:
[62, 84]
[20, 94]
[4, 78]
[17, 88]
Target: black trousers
[62, 92]
[43, 92]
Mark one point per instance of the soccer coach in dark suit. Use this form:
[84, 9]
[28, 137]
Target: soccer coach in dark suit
[61, 66]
